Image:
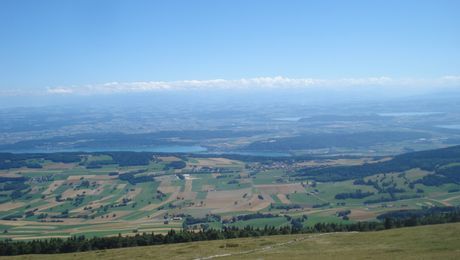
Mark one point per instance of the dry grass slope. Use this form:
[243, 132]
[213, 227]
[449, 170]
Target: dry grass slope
[425, 242]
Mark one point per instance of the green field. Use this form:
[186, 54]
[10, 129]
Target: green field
[424, 242]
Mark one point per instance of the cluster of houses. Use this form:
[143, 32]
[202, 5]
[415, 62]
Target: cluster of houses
[175, 218]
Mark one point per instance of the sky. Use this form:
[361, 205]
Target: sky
[87, 46]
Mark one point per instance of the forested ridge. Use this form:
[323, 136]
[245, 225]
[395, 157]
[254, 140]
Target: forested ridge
[327, 140]
[430, 160]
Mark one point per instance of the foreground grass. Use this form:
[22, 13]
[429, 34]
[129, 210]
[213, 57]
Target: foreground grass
[424, 242]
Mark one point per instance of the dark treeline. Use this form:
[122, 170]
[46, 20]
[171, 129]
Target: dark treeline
[358, 194]
[133, 179]
[285, 206]
[131, 158]
[383, 199]
[419, 213]
[442, 176]
[81, 243]
[122, 158]
[315, 206]
[10, 160]
[12, 179]
[175, 165]
[425, 160]
[246, 217]
[189, 220]
[5, 165]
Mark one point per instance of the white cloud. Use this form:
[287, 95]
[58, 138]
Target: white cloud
[450, 79]
[254, 83]
[61, 90]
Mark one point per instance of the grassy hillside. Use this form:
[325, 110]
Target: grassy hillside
[424, 242]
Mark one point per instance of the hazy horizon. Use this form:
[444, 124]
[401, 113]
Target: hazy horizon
[67, 51]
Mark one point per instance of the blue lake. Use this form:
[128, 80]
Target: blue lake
[395, 114]
[156, 149]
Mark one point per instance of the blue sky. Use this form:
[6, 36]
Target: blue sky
[48, 44]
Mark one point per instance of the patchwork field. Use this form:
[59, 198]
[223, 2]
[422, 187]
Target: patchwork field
[107, 194]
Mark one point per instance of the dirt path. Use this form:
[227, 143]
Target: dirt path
[451, 198]
[316, 196]
[443, 202]
[267, 248]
